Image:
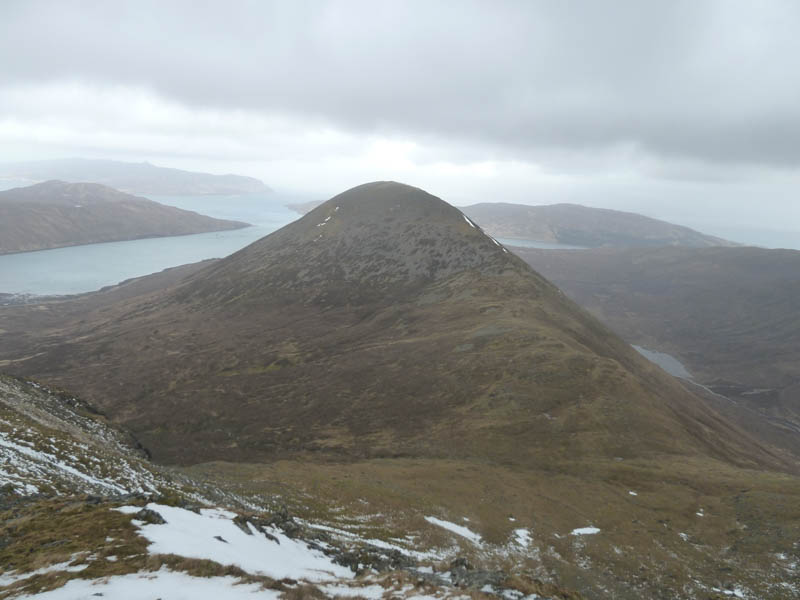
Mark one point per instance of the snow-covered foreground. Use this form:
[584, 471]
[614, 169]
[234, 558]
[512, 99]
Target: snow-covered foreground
[213, 535]
[7, 579]
[274, 562]
[171, 585]
[164, 584]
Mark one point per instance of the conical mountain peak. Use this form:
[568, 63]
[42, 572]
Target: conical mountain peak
[381, 198]
[372, 240]
[388, 205]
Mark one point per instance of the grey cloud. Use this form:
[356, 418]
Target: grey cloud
[683, 80]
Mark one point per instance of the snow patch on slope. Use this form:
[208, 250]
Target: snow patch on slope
[48, 446]
[585, 531]
[212, 535]
[350, 537]
[16, 454]
[370, 592]
[522, 537]
[457, 529]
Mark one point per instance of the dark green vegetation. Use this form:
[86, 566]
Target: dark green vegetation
[134, 178]
[55, 214]
[729, 314]
[578, 225]
[382, 350]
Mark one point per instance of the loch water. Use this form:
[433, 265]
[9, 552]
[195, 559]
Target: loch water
[79, 269]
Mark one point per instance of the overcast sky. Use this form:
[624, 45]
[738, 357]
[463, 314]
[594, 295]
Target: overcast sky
[683, 110]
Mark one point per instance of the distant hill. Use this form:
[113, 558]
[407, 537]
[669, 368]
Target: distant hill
[55, 214]
[134, 178]
[575, 225]
[304, 207]
[730, 315]
[578, 225]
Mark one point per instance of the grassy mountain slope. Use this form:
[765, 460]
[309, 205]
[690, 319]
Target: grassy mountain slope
[382, 323]
[729, 314]
[578, 225]
[55, 214]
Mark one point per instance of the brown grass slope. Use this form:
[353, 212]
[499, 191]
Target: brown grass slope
[584, 226]
[382, 323]
[55, 214]
[729, 314]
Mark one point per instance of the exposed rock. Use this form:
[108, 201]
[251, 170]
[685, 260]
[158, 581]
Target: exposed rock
[369, 557]
[463, 574]
[150, 516]
[283, 521]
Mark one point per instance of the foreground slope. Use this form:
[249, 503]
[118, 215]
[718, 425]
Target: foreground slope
[134, 178]
[55, 214]
[52, 443]
[60, 543]
[83, 513]
[578, 225]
